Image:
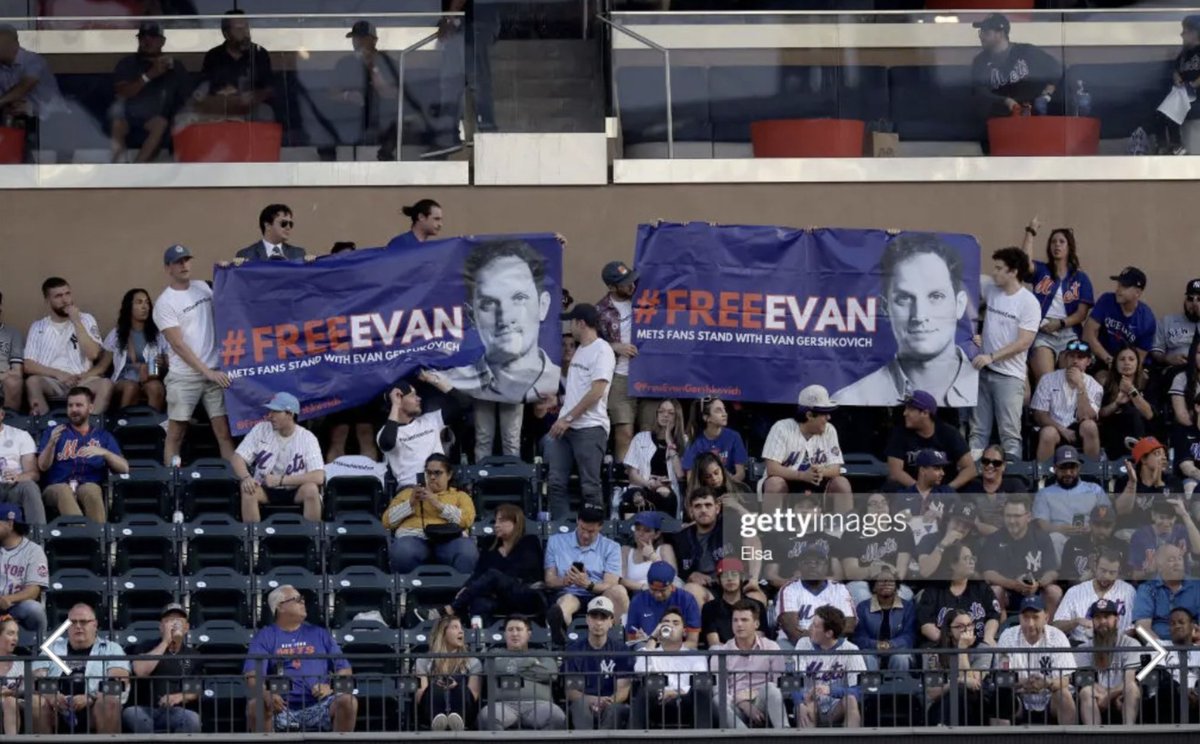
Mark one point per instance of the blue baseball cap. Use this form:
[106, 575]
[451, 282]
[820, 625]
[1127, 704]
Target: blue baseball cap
[922, 401]
[929, 458]
[12, 513]
[1103, 606]
[1033, 604]
[649, 519]
[175, 253]
[284, 402]
[660, 572]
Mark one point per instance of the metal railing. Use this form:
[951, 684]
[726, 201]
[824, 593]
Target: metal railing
[666, 53]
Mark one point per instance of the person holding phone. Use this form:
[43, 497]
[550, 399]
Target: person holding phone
[1061, 509]
[429, 521]
[159, 703]
[579, 566]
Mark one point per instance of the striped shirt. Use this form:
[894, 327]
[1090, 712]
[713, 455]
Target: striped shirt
[57, 346]
[1060, 400]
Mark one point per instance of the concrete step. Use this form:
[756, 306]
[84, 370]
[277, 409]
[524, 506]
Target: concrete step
[544, 49]
[517, 88]
[552, 124]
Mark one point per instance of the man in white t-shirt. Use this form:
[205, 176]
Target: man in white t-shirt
[1066, 404]
[799, 599]
[830, 674]
[616, 328]
[184, 316]
[1010, 325]
[280, 461]
[581, 432]
[19, 472]
[803, 454]
[409, 437]
[1043, 675]
[1071, 616]
[63, 350]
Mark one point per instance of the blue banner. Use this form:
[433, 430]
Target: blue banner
[339, 331]
[757, 313]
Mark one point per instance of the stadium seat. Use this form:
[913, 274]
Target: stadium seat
[219, 594]
[144, 541]
[139, 430]
[75, 542]
[223, 645]
[141, 593]
[933, 103]
[374, 656]
[642, 106]
[216, 541]
[500, 479]
[286, 540]
[71, 586]
[357, 539]
[37, 425]
[354, 493]
[133, 634]
[866, 472]
[209, 486]
[311, 586]
[493, 636]
[146, 489]
[742, 94]
[362, 589]
[547, 530]
[416, 640]
[428, 586]
[217, 638]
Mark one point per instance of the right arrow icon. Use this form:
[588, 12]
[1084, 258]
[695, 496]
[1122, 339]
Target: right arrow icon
[1160, 653]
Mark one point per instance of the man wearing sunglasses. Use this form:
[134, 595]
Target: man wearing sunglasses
[276, 223]
[1066, 405]
[1062, 508]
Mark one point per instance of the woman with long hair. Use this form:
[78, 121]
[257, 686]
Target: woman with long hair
[963, 592]
[709, 471]
[448, 695]
[957, 632]
[1186, 386]
[652, 464]
[1124, 410]
[12, 676]
[648, 547]
[138, 361]
[710, 433]
[1063, 290]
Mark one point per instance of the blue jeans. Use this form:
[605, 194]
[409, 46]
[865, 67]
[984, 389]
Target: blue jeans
[141, 719]
[409, 552]
[30, 615]
[585, 449]
[1000, 400]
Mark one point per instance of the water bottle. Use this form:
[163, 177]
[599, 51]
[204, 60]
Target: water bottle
[1041, 105]
[1139, 142]
[1083, 101]
[176, 462]
[476, 622]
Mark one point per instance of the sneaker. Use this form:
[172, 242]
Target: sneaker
[455, 722]
[1179, 150]
[440, 722]
[427, 615]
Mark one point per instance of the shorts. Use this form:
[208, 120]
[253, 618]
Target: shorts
[284, 496]
[57, 389]
[315, 717]
[1056, 342]
[185, 393]
[621, 408]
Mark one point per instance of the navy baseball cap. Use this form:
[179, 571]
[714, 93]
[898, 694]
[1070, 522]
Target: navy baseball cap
[585, 312]
[616, 273]
[1192, 22]
[151, 28]
[12, 513]
[1131, 276]
[1066, 454]
[175, 253]
[962, 510]
[362, 28]
[1033, 604]
[1193, 287]
[994, 22]
[928, 458]
[922, 401]
[1103, 605]
[591, 514]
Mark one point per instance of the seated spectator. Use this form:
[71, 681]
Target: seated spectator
[311, 704]
[646, 609]
[12, 366]
[922, 431]
[648, 547]
[956, 527]
[1175, 332]
[1187, 457]
[957, 631]
[1116, 682]
[235, 79]
[710, 433]
[280, 461]
[137, 362]
[1072, 615]
[678, 702]
[409, 437]
[275, 223]
[12, 677]
[581, 565]
[160, 704]
[430, 520]
[716, 616]
[63, 351]
[1009, 76]
[989, 491]
[799, 599]
[1184, 77]
[1066, 405]
[369, 80]
[448, 696]
[786, 546]
[150, 88]
[75, 460]
[507, 574]
[1176, 674]
[863, 558]
[803, 454]
[530, 706]
[1062, 508]
[652, 464]
[19, 471]
[1146, 479]
[1062, 289]
[1043, 676]
[752, 696]
[80, 705]
[1120, 318]
[709, 472]
[959, 596]
[1124, 410]
[1171, 525]
[885, 622]
[701, 546]
[29, 93]
[603, 701]
[1156, 597]
[24, 577]
[828, 697]
[1081, 551]
[1185, 387]
[926, 500]
[1021, 559]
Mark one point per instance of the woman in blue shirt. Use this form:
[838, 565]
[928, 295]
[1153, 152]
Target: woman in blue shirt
[710, 434]
[1064, 292]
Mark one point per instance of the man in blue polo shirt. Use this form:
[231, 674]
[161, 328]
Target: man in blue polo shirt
[1120, 317]
[648, 607]
[580, 565]
[1157, 597]
[603, 699]
[76, 459]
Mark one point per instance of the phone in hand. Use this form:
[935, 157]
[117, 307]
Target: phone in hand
[420, 479]
[1079, 520]
[579, 566]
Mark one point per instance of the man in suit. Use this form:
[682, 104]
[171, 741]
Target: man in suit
[275, 222]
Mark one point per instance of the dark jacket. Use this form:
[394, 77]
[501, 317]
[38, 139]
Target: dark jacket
[903, 622]
[257, 252]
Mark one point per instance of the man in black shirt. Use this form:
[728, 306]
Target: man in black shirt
[150, 87]
[1020, 558]
[1081, 551]
[1007, 76]
[923, 431]
[159, 704]
[236, 79]
[716, 617]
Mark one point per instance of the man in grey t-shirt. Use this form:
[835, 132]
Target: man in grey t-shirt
[531, 704]
[1173, 336]
[12, 361]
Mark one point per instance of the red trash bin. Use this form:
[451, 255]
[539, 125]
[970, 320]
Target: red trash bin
[1044, 135]
[229, 142]
[807, 138]
[12, 145]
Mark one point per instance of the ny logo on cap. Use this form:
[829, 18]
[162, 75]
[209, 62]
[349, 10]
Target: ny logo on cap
[179, 249]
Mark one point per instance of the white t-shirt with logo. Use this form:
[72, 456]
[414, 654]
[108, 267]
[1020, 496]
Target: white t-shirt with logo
[267, 452]
[787, 445]
[596, 361]
[355, 466]
[191, 311]
[55, 345]
[415, 442]
[1006, 315]
[796, 597]
[831, 667]
[1079, 598]
[1037, 660]
[14, 444]
[625, 313]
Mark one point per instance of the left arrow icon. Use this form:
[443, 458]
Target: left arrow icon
[45, 647]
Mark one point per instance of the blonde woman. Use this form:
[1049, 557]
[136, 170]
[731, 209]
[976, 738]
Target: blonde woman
[448, 696]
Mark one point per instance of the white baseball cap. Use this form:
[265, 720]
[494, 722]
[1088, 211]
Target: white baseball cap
[816, 398]
[601, 604]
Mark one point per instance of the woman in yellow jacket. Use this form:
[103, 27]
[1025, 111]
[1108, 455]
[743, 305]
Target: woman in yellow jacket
[431, 521]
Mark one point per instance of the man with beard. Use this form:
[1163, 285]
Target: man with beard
[1157, 597]
[1116, 680]
[77, 459]
[1073, 616]
[701, 547]
[616, 327]
[1081, 551]
[63, 350]
[1020, 559]
[150, 86]
[1008, 75]
[1043, 676]
[1173, 336]
[799, 599]
[236, 79]
[926, 501]
[1061, 509]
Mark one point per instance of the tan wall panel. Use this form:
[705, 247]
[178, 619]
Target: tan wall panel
[107, 241]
